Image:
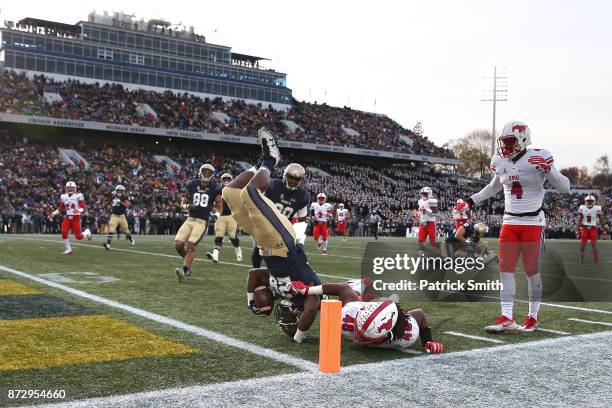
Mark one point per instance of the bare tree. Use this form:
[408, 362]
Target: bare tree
[474, 152]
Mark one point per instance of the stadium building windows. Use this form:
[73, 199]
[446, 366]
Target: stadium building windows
[155, 53]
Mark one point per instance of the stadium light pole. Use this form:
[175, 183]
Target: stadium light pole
[499, 93]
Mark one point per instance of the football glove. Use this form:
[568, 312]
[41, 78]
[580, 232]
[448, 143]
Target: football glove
[251, 305]
[432, 347]
[470, 203]
[299, 287]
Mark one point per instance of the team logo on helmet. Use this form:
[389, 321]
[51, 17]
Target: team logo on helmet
[375, 322]
[515, 137]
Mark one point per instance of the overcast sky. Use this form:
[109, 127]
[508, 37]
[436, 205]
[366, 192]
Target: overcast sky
[420, 60]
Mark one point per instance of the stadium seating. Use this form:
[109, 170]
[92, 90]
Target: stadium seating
[32, 178]
[114, 103]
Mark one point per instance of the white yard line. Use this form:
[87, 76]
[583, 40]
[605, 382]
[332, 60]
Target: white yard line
[208, 334]
[470, 336]
[562, 333]
[590, 322]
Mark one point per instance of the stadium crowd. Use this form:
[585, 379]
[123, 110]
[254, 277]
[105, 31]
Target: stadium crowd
[115, 103]
[32, 177]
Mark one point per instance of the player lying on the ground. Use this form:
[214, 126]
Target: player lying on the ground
[520, 173]
[225, 224]
[120, 202]
[290, 197]
[467, 242]
[72, 205]
[588, 214]
[272, 231]
[377, 323]
[262, 289]
[201, 195]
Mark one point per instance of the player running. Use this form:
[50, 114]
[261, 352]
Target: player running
[225, 224]
[428, 207]
[521, 173]
[377, 323]
[588, 214]
[321, 211]
[461, 213]
[272, 231]
[119, 206]
[290, 198]
[72, 205]
[342, 217]
[201, 195]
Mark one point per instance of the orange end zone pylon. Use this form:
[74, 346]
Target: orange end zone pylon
[331, 330]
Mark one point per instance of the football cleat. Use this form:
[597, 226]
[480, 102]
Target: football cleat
[180, 274]
[87, 234]
[67, 252]
[324, 253]
[529, 325]
[132, 242]
[106, 246]
[213, 256]
[502, 324]
[269, 149]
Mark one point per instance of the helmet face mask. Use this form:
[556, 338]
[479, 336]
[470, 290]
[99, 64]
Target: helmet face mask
[226, 178]
[507, 146]
[515, 138]
[206, 173]
[119, 189]
[293, 176]
[287, 317]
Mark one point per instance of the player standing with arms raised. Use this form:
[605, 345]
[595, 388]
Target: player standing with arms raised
[588, 214]
[72, 205]
[321, 212]
[521, 173]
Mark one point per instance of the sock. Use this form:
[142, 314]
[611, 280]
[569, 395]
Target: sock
[325, 245]
[67, 246]
[595, 255]
[534, 286]
[250, 296]
[256, 258]
[129, 237]
[299, 336]
[268, 164]
[507, 293]
[238, 251]
[108, 239]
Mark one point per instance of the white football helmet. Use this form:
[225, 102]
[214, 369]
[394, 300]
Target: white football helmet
[206, 172]
[340, 205]
[515, 137]
[426, 190]
[321, 198]
[71, 187]
[119, 189]
[460, 201]
[375, 320]
[589, 201]
[226, 178]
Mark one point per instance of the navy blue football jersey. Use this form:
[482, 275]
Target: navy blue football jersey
[202, 198]
[469, 231]
[117, 207]
[288, 202]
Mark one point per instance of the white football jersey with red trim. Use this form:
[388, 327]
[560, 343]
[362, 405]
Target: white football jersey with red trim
[424, 206]
[321, 211]
[341, 214]
[71, 203]
[460, 212]
[589, 215]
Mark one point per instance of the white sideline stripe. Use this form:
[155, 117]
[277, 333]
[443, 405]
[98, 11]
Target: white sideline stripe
[470, 336]
[255, 385]
[590, 322]
[211, 335]
[166, 255]
[562, 333]
[559, 306]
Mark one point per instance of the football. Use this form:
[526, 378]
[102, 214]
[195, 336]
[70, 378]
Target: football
[264, 300]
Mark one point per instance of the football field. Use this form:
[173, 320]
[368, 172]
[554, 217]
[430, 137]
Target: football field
[110, 323]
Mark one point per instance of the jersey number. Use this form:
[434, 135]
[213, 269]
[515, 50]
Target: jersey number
[286, 211]
[200, 199]
[588, 218]
[517, 190]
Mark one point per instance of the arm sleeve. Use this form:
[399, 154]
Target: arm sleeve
[489, 191]
[558, 180]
